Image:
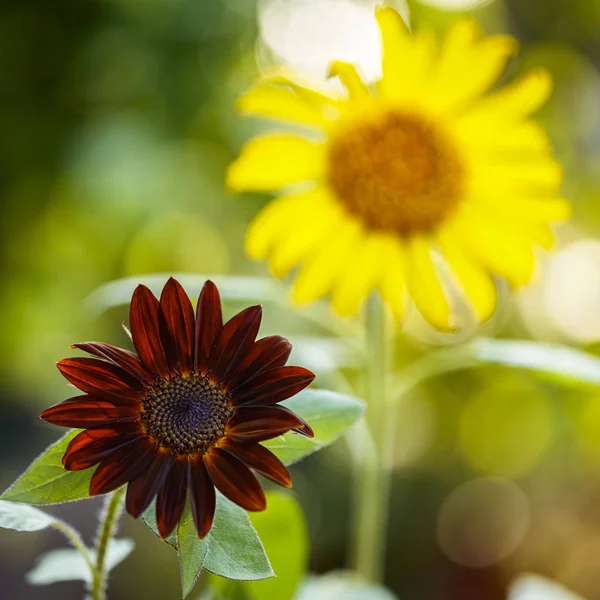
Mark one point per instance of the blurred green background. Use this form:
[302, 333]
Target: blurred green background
[117, 124]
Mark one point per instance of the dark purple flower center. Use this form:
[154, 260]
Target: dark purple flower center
[186, 413]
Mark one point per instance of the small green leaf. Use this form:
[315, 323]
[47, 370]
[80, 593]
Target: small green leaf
[22, 517]
[47, 482]
[62, 564]
[282, 530]
[328, 413]
[249, 289]
[67, 564]
[339, 584]
[192, 551]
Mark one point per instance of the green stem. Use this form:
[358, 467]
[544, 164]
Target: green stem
[106, 530]
[374, 475]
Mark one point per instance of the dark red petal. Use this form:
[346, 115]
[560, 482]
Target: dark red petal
[94, 445]
[234, 342]
[264, 423]
[123, 465]
[128, 361]
[145, 486]
[85, 411]
[260, 459]
[171, 498]
[234, 479]
[273, 386]
[101, 379]
[202, 497]
[266, 353]
[209, 322]
[178, 314]
[144, 320]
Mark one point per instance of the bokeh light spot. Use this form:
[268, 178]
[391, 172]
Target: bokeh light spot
[571, 291]
[483, 521]
[504, 430]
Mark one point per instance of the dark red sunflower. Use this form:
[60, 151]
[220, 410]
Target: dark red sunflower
[187, 413]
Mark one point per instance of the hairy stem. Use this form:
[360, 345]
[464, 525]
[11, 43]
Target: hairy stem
[107, 528]
[76, 540]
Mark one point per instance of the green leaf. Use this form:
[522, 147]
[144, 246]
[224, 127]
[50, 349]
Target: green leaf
[192, 551]
[67, 564]
[282, 530]
[46, 481]
[339, 584]
[232, 548]
[328, 413]
[564, 362]
[249, 289]
[22, 517]
[149, 518]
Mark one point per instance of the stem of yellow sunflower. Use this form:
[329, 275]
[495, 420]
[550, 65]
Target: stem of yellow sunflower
[106, 530]
[373, 471]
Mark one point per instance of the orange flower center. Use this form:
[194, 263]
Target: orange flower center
[399, 173]
[186, 413]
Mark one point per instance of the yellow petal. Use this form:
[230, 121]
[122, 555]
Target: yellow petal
[454, 55]
[477, 285]
[526, 213]
[316, 277]
[393, 284]
[519, 217]
[506, 252]
[424, 285]
[277, 218]
[479, 68]
[283, 103]
[360, 275]
[542, 209]
[395, 36]
[518, 99]
[311, 92]
[540, 233]
[305, 235]
[536, 174]
[407, 59]
[492, 138]
[552, 209]
[351, 79]
[274, 161]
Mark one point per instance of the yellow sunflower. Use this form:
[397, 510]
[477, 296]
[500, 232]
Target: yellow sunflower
[422, 181]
